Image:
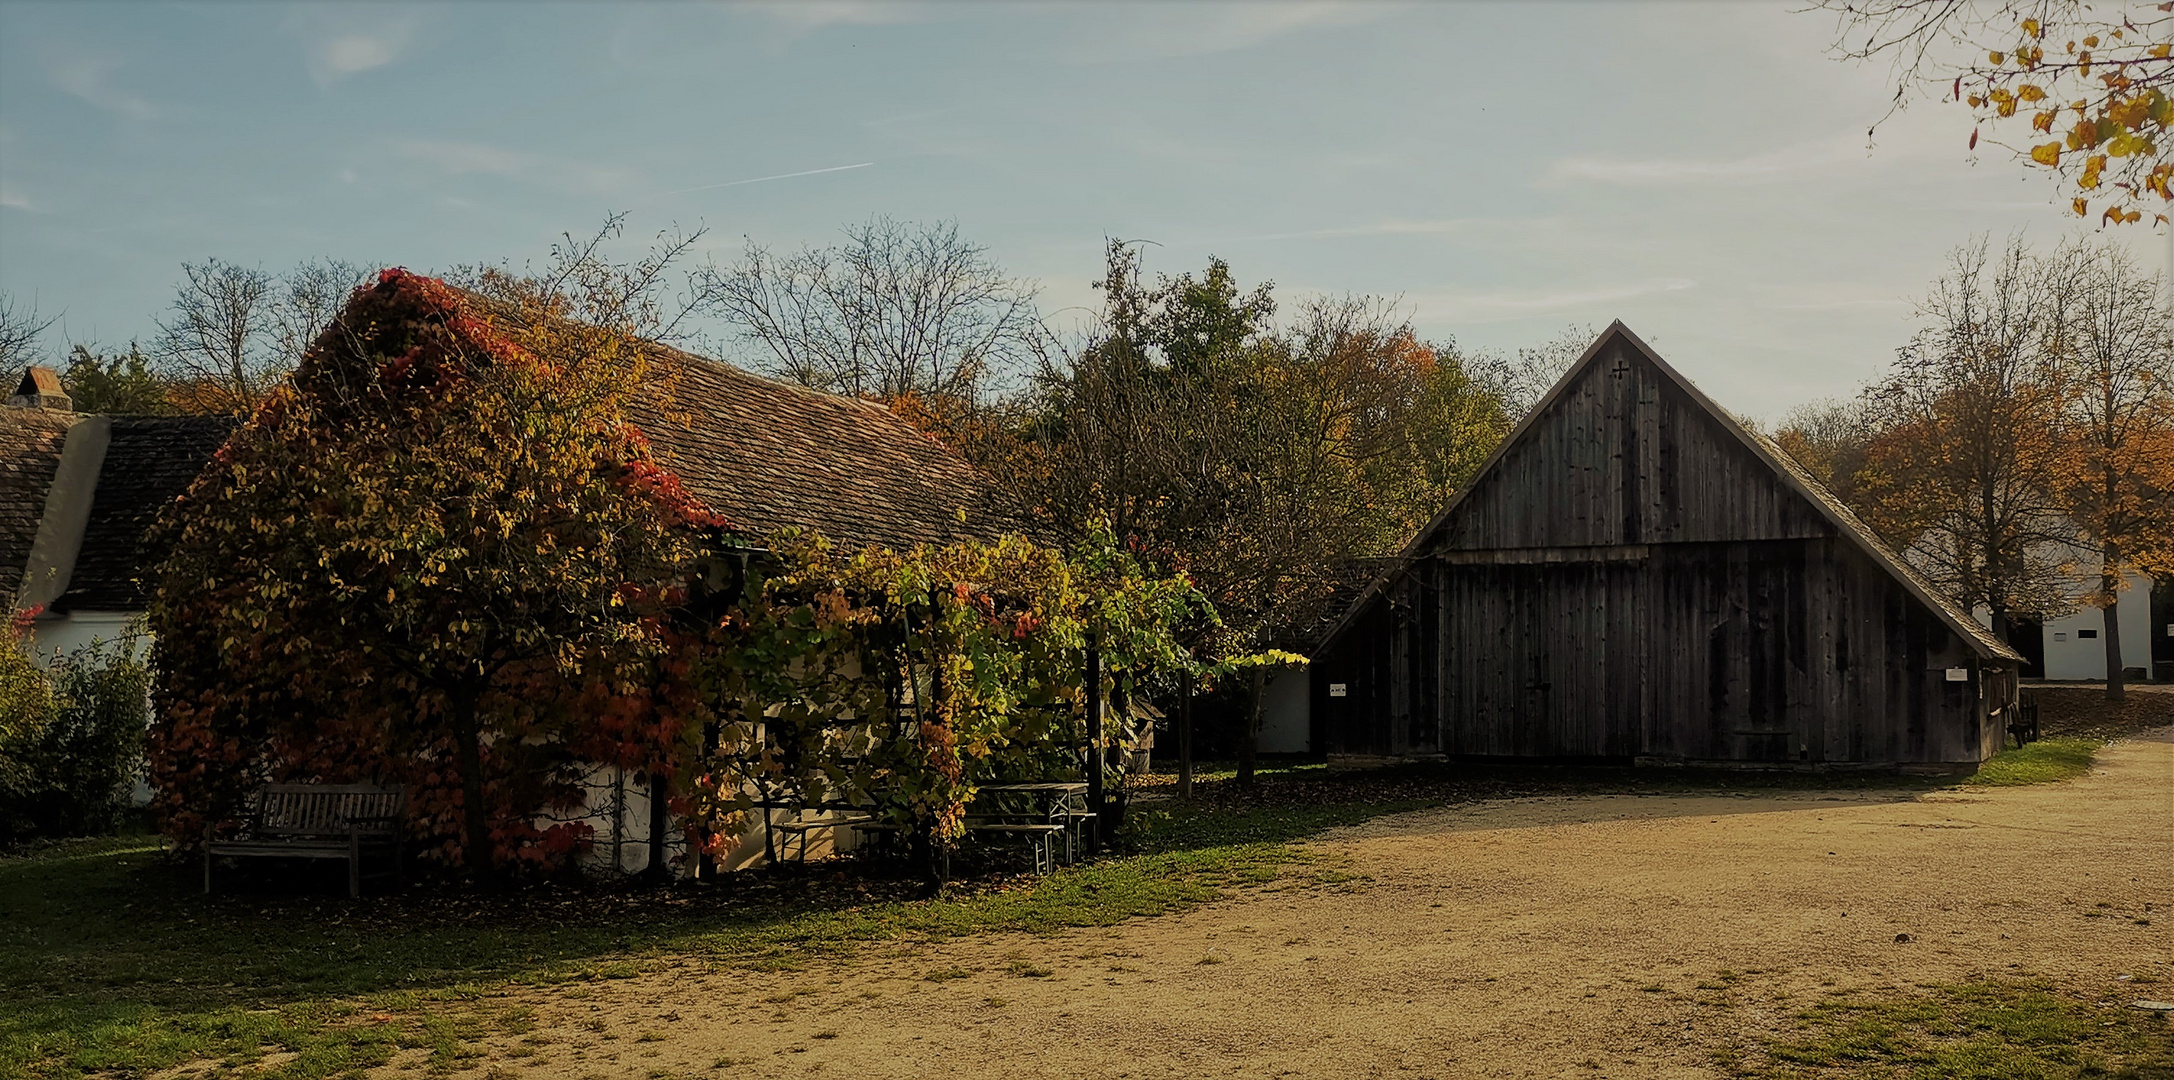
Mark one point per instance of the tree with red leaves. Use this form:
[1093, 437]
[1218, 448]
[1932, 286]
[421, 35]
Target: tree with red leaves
[438, 556]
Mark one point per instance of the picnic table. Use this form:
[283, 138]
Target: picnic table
[1040, 812]
[1052, 808]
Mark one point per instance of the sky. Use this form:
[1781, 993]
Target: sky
[1701, 171]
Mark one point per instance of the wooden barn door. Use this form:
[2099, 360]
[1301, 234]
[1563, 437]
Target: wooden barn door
[1537, 660]
[1731, 661]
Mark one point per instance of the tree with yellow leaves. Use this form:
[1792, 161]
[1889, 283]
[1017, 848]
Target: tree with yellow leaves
[2080, 89]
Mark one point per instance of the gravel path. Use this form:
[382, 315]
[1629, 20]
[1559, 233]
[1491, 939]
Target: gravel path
[1618, 935]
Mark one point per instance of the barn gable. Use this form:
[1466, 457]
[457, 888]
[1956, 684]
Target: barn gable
[1635, 575]
[1574, 474]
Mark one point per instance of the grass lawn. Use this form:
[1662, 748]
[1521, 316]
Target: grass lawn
[112, 962]
[2041, 762]
[1972, 1031]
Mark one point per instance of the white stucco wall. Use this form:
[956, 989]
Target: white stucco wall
[51, 637]
[2071, 655]
[1287, 712]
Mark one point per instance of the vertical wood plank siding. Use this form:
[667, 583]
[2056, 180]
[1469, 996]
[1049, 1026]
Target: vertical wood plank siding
[1630, 581]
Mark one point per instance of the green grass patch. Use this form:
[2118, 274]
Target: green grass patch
[2043, 762]
[112, 962]
[1970, 1031]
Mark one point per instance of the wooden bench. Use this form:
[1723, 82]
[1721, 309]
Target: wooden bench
[317, 821]
[2025, 724]
[1075, 822]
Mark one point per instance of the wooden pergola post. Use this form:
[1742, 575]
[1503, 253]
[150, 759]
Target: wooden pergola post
[1095, 761]
[1185, 740]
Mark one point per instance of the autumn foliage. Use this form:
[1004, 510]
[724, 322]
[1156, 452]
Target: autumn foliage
[901, 681]
[2078, 89]
[441, 557]
[417, 562]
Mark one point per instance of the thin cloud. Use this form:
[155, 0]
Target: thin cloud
[807, 16]
[353, 53]
[469, 159]
[90, 79]
[16, 201]
[1651, 172]
[758, 180]
[1845, 305]
[1176, 30]
[1442, 227]
[1510, 304]
[337, 47]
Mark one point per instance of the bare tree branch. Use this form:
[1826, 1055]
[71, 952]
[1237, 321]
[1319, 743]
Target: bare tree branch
[20, 328]
[897, 310]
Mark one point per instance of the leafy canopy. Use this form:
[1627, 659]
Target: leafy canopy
[2079, 89]
[412, 560]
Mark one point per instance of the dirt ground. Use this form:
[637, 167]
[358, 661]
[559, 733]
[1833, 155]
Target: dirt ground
[1607, 935]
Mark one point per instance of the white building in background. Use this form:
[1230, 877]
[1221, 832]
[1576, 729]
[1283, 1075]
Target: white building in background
[2075, 648]
[77, 494]
[1287, 712]
[2071, 647]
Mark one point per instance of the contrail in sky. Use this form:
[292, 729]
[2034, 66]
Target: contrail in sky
[762, 179]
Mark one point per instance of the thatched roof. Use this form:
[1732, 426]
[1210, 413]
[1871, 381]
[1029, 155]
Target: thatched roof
[768, 455]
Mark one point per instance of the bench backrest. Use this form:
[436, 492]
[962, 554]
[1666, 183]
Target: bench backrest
[328, 809]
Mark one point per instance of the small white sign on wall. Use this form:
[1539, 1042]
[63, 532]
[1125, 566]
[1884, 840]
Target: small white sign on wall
[1336, 689]
[1956, 674]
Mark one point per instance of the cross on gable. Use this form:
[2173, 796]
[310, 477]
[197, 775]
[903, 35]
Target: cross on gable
[1622, 367]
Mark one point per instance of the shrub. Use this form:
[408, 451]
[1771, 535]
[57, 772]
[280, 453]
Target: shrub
[71, 739]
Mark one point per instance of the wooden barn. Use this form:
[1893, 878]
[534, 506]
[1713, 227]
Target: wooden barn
[1635, 576]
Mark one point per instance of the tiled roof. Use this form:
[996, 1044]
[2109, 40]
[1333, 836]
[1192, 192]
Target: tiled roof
[30, 441]
[767, 455]
[764, 454]
[149, 462]
[40, 380]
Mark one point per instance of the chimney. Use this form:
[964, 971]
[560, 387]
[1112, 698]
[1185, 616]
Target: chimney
[41, 389]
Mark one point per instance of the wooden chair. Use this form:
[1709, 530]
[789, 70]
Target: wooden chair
[2025, 725]
[317, 821]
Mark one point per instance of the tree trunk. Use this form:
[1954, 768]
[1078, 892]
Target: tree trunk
[1249, 745]
[475, 854]
[706, 865]
[660, 823]
[930, 858]
[1185, 740]
[1095, 763]
[2110, 583]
